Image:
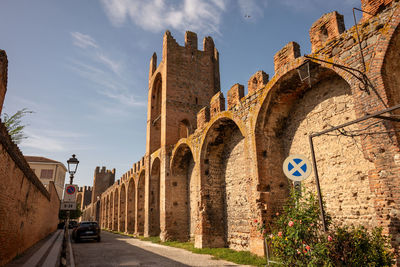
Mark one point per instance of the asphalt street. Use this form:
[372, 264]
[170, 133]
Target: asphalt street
[117, 250]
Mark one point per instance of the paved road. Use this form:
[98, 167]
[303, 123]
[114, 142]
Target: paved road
[117, 250]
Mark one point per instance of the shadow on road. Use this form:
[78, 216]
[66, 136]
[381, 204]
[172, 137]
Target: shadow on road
[114, 250]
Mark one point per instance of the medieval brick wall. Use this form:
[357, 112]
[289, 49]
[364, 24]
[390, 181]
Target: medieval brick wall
[343, 168]
[211, 168]
[28, 212]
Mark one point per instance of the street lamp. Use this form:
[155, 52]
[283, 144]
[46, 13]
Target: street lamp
[72, 166]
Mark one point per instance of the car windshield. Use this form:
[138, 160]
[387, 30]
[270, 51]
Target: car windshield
[88, 223]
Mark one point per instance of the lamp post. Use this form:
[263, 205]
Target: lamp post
[72, 166]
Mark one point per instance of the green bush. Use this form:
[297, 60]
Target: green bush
[355, 246]
[297, 238]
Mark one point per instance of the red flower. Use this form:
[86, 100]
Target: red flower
[255, 221]
[308, 247]
[279, 233]
[329, 238]
[291, 224]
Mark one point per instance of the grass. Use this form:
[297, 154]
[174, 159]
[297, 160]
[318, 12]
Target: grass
[239, 257]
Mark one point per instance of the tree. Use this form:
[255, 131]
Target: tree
[14, 125]
[73, 214]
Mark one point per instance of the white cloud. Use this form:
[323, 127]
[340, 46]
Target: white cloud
[113, 65]
[102, 70]
[252, 9]
[83, 40]
[123, 98]
[156, 15]
[42, 142]
[108, 84]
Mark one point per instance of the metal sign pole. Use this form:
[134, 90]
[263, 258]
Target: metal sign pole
[321, 206]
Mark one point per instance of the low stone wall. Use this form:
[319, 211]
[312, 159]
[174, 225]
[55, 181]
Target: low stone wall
[28, 212]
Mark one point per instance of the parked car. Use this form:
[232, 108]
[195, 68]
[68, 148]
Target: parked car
[86, 230]
[72, 224]
[61, 225]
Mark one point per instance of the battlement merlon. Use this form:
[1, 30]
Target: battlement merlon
[257, 81]
[372, 8]
[234, 95]
[203, 116]
[326, 28]
[153, 65]
[217, 104]
[191, 40]
[288, 53]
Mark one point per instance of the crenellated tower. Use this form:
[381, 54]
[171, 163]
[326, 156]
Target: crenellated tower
[102, 180]
[183, 83]
[179, 87]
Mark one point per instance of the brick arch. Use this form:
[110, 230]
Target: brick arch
[154, 198]
[182, 196]
[122, 208]
[155, 112]
[389, 68]
[385, 71]
[178, 147]
[289, 114]
[130, 206]
[115, 210]
[387, 43]
[224, 184]
[140, 196]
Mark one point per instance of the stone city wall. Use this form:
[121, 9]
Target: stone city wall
[211, 168]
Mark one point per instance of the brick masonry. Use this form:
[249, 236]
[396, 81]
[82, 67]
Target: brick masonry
[28, 212]
[210, 185]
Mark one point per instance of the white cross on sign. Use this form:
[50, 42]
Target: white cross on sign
[297, 167]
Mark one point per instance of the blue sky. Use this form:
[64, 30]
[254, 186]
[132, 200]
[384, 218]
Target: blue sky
[82, 66]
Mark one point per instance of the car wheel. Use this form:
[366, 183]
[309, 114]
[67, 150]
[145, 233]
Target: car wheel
[77, 240]
[98, 239]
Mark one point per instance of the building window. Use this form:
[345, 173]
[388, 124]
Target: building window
[46, 174]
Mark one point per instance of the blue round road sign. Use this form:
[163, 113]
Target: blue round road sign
[70, 190]
[297, 167]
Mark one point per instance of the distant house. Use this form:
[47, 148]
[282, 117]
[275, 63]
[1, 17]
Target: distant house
[48, 170]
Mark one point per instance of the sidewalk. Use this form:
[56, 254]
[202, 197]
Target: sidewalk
[45, 253]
